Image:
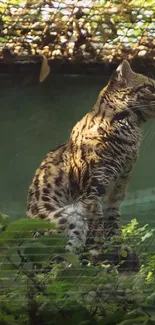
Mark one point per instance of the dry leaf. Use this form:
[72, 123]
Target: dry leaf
[45, 69]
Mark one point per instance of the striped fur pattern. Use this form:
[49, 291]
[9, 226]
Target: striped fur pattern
[81, 184]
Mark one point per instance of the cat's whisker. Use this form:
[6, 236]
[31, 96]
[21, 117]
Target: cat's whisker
[153, 134]
[141, 106]
[147, 133]
[150, 135]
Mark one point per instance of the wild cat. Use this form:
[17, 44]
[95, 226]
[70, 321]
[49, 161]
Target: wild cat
[81, 184]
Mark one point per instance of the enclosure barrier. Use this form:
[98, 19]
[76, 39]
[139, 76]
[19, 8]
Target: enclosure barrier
[78, 31]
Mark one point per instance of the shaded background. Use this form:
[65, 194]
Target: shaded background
[36, 118]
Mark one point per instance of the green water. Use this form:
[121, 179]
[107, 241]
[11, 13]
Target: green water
[36, 118]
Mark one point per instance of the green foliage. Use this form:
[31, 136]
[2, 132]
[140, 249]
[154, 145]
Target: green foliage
[41, 283]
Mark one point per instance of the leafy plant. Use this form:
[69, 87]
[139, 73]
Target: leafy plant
[41, 283]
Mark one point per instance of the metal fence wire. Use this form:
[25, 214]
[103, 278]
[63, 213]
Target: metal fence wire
[87, 31]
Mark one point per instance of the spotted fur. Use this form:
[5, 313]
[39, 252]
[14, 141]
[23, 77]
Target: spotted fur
[81, 184]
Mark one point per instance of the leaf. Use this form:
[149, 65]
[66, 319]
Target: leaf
[71, 258]
[152, 320]
[124, 253]
[17, 2]
[21, 229]
[77, 275]
[5, 220]
[141, 3]
[134, 313]
[7, 320]
[45, 69]
[149, 276]
[151, 299]
[37, 253]
[117, 315]
[131, 227]
[3, 39]
[147, 235]
[141, 229]
[54, 241]
[139, 320]
[98, 240]
[134, 222]
[42, 249]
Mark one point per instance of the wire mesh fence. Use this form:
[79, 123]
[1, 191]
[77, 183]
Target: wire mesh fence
[89, 31]
[32, 284]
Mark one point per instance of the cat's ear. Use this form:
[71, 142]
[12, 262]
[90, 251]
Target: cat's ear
[124, 71]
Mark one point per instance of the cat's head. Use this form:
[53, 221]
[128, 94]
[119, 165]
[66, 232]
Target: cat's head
[135, 90]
